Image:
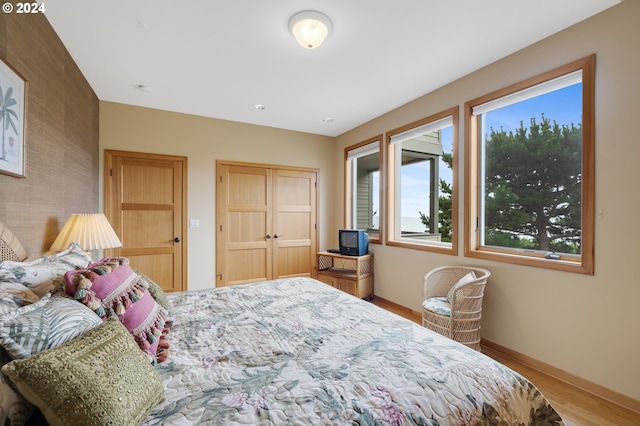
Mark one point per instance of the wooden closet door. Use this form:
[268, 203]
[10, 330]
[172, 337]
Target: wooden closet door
[294, 227]
[244, 233]
[266, 223]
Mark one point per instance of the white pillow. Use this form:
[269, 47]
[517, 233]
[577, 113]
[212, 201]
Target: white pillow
[39, 274]
[14, 295]
[469, 277]
[48, 323]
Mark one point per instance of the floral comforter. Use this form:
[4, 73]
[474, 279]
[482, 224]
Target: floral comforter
[299, 352]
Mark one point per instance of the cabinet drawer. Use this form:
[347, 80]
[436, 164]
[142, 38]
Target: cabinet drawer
[327, 279]
[348, 286]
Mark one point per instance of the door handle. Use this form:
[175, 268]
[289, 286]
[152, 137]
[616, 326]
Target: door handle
[277, 235]
[176, 240]
[268, 237]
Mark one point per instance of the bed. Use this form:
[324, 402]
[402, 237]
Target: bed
[297, 351]
[284, 352]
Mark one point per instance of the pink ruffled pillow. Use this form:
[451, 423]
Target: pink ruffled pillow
[112, 289]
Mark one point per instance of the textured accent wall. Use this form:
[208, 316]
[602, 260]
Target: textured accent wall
[62, 143]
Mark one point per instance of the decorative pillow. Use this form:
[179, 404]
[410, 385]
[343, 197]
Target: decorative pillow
[469, 277]
[439, 305]
[10, 247]
[14, 295]
[155, 290]
[99, 378]
[38, 274]
[112, 289]
[50, 322]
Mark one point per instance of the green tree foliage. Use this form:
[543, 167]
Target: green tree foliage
[444, 206]
[533, 187]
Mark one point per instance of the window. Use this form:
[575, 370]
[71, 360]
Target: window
[362, 171]
[530, 170]
[422, 190]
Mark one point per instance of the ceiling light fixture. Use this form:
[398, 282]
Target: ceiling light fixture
[310, 28]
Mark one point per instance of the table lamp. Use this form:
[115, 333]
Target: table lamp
[91, 231]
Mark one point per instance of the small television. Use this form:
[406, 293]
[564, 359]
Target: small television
[353, 242]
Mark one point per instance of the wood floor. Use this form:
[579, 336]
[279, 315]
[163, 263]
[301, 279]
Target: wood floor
[577, 407]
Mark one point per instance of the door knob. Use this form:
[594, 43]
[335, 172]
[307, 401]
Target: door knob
[268, 236]
[277, 236]
[176, 239]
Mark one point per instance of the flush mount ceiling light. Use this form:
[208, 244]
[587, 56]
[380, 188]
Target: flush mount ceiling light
[310, 28]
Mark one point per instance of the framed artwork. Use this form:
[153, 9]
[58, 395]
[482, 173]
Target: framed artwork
[13, 92]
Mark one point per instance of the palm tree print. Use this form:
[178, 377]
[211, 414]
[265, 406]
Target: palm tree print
[8, 117]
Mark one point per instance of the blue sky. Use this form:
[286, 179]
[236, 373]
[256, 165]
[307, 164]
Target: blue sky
[555, 105]
[559, 105]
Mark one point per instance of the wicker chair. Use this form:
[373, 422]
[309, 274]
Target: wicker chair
[453, 303]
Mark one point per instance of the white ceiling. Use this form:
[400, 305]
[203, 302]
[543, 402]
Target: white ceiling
[218, 58]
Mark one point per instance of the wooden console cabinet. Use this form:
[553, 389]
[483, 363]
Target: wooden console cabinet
[351, 274]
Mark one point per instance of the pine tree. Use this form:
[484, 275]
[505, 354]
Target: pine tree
[533, 187]
[445, 207]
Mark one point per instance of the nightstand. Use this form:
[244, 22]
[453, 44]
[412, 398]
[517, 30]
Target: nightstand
[351, 274]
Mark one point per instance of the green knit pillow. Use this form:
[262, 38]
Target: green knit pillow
[99, 378]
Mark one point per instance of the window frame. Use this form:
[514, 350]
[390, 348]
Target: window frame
[430, 246]
[583, 263]
[348, 188]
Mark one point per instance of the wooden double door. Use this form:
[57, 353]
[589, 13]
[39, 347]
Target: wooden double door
[266, 222]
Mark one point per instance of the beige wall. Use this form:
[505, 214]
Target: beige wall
[203, 141]
[585, 325]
